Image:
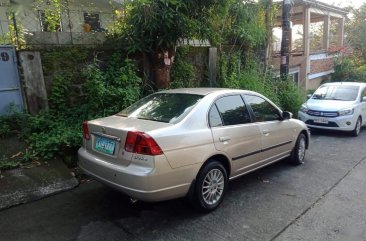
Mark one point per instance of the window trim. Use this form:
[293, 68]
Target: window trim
[85, 13]
[223, 124]
[252, 112]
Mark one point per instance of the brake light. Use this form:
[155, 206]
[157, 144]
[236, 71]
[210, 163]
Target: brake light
[142, 143]
[86, 134]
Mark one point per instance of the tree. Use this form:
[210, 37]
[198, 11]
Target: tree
[154, 27]
[356, 29]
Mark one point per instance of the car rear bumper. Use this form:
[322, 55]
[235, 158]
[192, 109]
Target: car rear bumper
[141, 183]
[340, 123]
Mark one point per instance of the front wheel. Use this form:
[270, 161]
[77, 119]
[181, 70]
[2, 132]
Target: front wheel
[357, 129]
[298, 153]
[211, 186]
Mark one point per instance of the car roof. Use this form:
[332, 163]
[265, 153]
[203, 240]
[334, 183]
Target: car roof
[205, 91]
[345, 83]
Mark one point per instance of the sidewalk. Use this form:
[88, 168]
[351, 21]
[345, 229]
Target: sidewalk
[19, 186]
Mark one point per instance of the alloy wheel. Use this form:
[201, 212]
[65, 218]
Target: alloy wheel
[213, 186]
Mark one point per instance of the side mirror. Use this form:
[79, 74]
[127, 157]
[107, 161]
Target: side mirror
[364, 99]
[286, 115]
[309, 96]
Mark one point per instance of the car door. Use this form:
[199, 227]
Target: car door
[277, 134]
[234, 133]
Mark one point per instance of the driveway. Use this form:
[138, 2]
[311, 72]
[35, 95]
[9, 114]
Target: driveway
[325, 199]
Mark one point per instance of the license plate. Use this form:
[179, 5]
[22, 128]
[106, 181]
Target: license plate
[105, 145]
[321, 120]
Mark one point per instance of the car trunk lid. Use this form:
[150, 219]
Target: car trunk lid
[107, 137]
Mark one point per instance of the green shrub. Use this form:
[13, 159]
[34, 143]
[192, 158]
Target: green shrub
[183, 71]
[291, 97]
[107, 90]
[249, 76]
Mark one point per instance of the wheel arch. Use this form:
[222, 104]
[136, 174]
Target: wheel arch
[307, 137]
[223, 160]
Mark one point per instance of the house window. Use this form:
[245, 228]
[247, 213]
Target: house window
[295, 78]
[50, 24]
[92, 22]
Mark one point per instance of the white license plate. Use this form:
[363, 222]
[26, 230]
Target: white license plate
[321, 120]
[105, 145]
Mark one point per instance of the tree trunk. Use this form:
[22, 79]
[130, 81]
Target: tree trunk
[162, 61]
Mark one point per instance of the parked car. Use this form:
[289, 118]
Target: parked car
[336, 106]
[189, 142]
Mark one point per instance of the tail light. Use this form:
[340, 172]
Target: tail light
[86, 134]
[142, 143]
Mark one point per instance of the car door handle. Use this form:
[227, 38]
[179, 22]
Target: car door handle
[265, 132]
[224, 139]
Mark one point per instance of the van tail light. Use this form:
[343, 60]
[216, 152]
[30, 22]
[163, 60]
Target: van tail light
[142, 143]
[86, 134]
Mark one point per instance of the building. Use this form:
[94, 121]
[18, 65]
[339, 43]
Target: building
[317, 38]
[57, 22]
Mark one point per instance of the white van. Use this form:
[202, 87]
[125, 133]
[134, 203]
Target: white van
[336, 106]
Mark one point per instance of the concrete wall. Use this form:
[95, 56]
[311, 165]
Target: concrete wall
[4, 24]
[313, 84]
[72, 21]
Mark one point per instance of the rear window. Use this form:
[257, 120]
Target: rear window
[162, 107]
[337, 92]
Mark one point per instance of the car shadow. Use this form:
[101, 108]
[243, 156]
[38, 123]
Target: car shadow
[333, 133]
[116, 205]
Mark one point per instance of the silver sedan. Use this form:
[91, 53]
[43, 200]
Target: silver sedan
[189, 142]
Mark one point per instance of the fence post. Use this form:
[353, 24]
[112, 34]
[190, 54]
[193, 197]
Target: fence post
[212, 68]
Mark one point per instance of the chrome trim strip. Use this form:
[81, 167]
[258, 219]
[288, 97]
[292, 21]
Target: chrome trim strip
[262, 150]
[107, 136]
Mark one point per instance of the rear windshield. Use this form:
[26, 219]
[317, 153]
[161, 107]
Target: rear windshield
[163, 107]
[337, 92]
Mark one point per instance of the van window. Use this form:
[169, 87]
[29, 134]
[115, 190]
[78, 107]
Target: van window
[336, 92]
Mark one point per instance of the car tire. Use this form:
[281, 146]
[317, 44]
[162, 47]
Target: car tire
[357, 129]
[298, 153]
[210, 186]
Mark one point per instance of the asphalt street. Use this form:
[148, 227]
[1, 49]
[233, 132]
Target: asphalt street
[324, 199]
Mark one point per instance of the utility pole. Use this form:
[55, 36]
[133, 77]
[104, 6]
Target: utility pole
[285, 43]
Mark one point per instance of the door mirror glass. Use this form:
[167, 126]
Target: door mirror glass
[309, 96]
[286, 115]
[364, 99]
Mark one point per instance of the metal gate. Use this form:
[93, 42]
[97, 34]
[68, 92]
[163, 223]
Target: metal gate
[10, 92]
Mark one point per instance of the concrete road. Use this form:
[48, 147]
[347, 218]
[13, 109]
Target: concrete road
[325, 199]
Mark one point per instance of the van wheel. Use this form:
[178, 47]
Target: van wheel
[298, 153]
[357, 129]
[211, 186]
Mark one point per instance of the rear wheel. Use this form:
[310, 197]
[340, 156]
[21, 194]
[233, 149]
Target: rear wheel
[357, 129]
[298, 153]
[211, 186]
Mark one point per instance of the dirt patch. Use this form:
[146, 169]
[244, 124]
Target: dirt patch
[13, 152]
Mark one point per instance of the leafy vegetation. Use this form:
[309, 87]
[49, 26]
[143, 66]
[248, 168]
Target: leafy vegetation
[105, 89]
[83, 89]
[249, 76]
[183, 71]
[352, 66]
